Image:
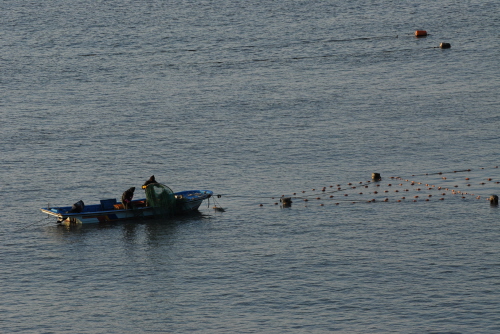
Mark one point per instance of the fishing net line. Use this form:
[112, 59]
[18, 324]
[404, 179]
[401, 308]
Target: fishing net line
[162, 198]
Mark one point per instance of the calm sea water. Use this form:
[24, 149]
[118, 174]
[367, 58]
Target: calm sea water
[253, 100]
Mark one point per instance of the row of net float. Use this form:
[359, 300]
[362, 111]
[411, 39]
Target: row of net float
[493, 199]
[423, 33]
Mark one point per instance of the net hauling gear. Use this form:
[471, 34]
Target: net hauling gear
[162, 198]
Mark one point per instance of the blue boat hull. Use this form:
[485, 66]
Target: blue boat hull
[112, 211]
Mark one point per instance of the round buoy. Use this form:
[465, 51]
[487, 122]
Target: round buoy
[494, 199]
[445, 45]
[376, 177]
[420, 33]
[287, 201]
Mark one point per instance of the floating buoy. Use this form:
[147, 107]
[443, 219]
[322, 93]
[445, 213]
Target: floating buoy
[493, 199]
[216, 208]
[420, 33]
[376, 177]
[445, 45]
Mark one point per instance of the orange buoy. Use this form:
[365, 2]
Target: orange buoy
[420, 33]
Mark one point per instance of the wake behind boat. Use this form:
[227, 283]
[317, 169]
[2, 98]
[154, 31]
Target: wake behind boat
[160, 201]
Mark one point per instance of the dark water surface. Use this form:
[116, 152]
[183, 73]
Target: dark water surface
[253, 100]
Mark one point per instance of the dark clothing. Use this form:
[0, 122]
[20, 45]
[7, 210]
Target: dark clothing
[150, 181]
[127, 198]
[77, 207]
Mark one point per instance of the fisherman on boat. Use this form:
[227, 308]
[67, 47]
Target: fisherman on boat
[127, 198]
[148, 182]
[77, 207]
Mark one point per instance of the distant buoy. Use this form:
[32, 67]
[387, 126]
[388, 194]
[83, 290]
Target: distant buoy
[376, 177]
[420, 33]
[494, 200]
[445, 45]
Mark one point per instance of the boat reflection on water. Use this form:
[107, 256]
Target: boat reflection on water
[132, 232]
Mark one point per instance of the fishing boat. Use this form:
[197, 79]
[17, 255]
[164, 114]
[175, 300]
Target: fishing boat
[160, 201]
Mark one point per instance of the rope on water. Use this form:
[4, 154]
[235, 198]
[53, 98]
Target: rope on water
[37, 222]
[217, 206]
